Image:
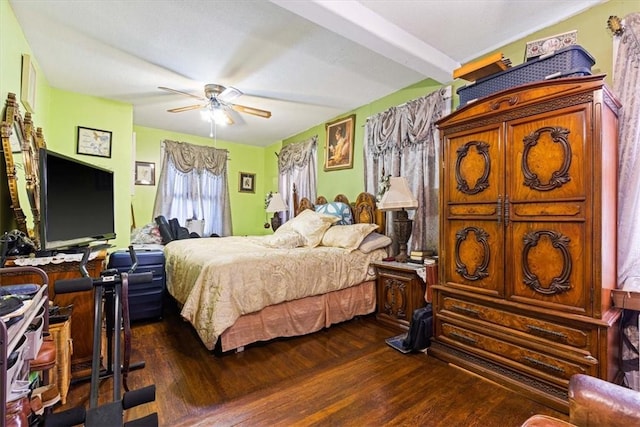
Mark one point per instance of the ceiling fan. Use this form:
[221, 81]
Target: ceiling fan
[217, 99]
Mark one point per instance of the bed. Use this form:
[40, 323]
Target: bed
[314, 271]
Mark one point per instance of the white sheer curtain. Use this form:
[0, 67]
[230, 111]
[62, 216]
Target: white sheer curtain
[403, 141]
[297, 166]
[626, 85]
[193, 184]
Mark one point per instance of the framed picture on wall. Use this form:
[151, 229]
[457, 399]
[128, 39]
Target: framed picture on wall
[28, 84]
[94, 142]
[247, 182]
[338, 151]
[145, 173]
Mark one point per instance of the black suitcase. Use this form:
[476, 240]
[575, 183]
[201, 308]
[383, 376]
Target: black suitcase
[145, 299]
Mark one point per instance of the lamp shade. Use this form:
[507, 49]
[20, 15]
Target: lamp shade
[398, 196]
[276, 204]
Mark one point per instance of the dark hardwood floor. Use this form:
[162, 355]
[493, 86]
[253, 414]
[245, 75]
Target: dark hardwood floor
[342, 376]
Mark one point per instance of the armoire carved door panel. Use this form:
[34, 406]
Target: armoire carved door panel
[476, 248]
[473, 229]
[547, 265]
[548, 157]
[547, 190]
[475, 160]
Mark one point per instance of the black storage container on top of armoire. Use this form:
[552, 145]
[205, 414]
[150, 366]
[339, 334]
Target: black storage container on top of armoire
[145, 299]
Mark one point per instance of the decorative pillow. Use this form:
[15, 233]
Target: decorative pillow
[149, 234]
[339, 209]
[310, 225]
[374, 241]
[347, 236]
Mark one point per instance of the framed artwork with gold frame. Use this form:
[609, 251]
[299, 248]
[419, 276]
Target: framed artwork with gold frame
[338, 152]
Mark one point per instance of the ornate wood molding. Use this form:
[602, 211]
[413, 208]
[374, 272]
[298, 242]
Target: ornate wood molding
[560, 283]
[482, 183]
[481, 237]
[13, 123]
[558, 178]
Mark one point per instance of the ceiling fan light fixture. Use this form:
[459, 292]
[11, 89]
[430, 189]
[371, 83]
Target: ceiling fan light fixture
[217, 108]
[215, 114]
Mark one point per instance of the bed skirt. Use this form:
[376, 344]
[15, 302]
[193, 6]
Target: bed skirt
[301, 317]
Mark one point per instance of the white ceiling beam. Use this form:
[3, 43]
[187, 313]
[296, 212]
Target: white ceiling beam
[352, 20]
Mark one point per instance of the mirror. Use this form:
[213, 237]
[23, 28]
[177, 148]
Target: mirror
[20, 143]
[13, 137]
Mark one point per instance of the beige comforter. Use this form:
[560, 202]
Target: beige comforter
[219, 279]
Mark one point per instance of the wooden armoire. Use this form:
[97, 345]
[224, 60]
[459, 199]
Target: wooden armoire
[528, 237]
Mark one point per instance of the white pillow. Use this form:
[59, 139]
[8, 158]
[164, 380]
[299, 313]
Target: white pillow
[283, 240]
[347, 236]
[310, 225]
[374, 241]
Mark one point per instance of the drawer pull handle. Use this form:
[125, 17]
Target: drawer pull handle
[544, 366]
[511, 101]
[465, 310]
[546, 333]
[464, 338]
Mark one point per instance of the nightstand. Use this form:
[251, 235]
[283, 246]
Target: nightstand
[400, 291]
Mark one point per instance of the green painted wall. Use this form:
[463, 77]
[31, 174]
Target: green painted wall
[350, 182]
[12, 46]
[97, 113]
[59, 113]
[247, 208]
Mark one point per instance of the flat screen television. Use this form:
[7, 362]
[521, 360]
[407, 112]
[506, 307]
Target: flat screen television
[76, 202]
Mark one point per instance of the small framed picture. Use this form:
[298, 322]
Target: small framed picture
[339, 148]
[94, 142]
[28, 84]
[247, 182]
[145, 173]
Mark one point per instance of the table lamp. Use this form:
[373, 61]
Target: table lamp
[399, 198]
[276, 204]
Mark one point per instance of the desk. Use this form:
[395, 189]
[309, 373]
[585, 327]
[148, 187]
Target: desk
[82, 324]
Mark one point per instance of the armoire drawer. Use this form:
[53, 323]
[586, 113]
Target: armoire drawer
[552, 368]
[537, 328]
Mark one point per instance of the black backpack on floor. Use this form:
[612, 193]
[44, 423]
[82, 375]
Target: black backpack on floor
[420, 329]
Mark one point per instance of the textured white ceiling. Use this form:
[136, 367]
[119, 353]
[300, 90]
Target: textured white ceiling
[305, 61]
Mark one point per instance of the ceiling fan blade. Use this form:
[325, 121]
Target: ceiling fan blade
[229, 94]
[168, 89]
[250, 110]
[187, 108]
[228, 118]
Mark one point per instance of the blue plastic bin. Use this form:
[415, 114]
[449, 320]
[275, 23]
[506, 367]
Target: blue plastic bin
[566, 62]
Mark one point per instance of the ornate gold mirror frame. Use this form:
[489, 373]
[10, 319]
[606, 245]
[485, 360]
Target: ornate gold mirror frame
[30, 156]
[29, 140]
[12, 129]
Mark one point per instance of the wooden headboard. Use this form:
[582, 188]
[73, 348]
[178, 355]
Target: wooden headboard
[363, 210]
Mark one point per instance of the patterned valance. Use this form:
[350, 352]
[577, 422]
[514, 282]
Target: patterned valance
[407, 124]
[187, 157]
[296, 155]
